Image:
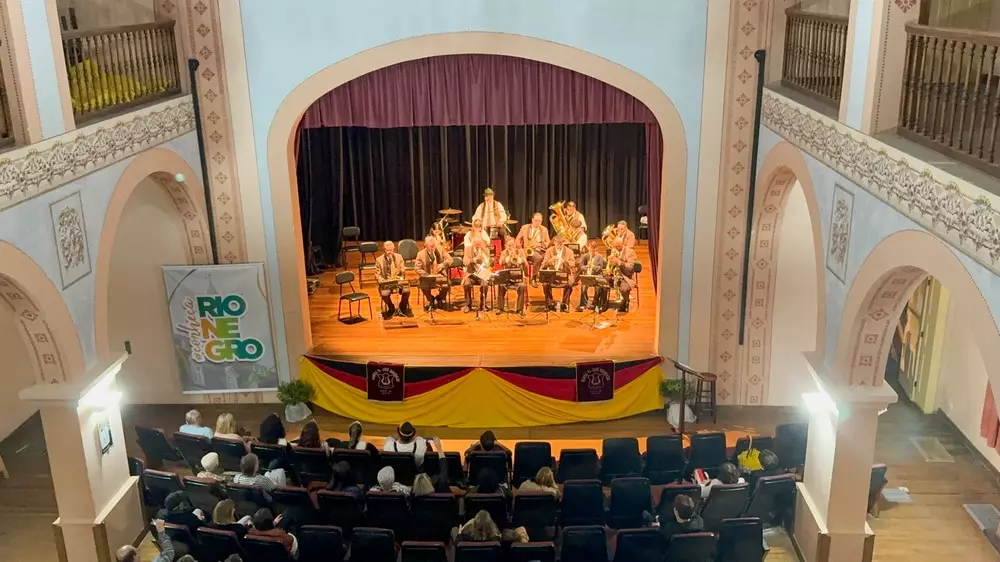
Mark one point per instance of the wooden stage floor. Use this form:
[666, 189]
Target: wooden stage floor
[492, 340]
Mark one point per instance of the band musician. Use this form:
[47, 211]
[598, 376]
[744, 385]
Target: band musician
[622, 265]
[576, 234]
[433, 260]
[627, 236]
[570, 212]
[477, 272]
[534, 239]
[491, 212]
[477, 232]
[561, 259]
[513, 258]
[390, 267]
[591, 263]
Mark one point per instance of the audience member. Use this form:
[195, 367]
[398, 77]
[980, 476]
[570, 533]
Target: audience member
[387, 482]
[422, 485]
[684, 519]
[728, 474]
[480, 528]
[342, 480]
[488, 482]
[407, 441]
[224, 518]
[354, 440]
[192, 425]
[512, 535]
[211, 467]
[488, 443]
[310, 438]
[177, 510]
[272, 431]
[441, 480]
[129, 553]
[769, 467]
[544, 481]
[249, 474]
[267, 525]
[225, 427]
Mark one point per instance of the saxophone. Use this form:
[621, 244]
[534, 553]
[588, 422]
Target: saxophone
[394, 274]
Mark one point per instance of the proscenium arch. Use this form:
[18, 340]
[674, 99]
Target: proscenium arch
[46, 325]
[162, 166]
[294, 304]
[782, 167]
[886, 280]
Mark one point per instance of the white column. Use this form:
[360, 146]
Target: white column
[42, 47]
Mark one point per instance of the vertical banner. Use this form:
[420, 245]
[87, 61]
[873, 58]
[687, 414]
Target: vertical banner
[221, 328]
[384, 381]
[595, 381]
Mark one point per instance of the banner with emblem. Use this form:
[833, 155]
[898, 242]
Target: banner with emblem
[595, 381]
[385, 381]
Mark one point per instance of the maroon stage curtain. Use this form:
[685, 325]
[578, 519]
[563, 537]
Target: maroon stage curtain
[478, 89]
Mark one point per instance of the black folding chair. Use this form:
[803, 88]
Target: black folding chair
[584, 543]
[192, 448]
[354, 296]
[582, 503]
[629, 498]
[577, 464]
[541, 551]
[367, 249]
[373, 545]
[388, 510]
[155, 447]
[621, 458]
[320, 543]
[160, 484]
[495, 460]
[424, 551]
[665, 460]
[538, 513]
[350, 238]
[708, 452]
[434, 515]
[230, 451]
[692, 547]
[402, 464]
[639, 545]
[339, 509]
[725, 501]
[790, 444]
[740, 540]
[495, 504]
[529, 458]
[478, 552]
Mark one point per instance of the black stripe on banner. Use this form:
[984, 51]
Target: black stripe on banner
[349, 367]
[541, 372]
[421, 374]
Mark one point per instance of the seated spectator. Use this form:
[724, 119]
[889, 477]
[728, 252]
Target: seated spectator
[225, 427]
[488, 482]
[267, 525]
[480, 528]
[249, 468]
[310, 438]
[441, 480]
[518, 535]
[387, 482]
[685, 520]
[342, 480]
[728, 474]
[422, 485]
[354, 440]
[224, 518]
[212, 467]
[177, 510]
[192, 425]
[407, 441]
[487, 443]
[129, 553]
[769, 467]
[272, 431]
[544, 481]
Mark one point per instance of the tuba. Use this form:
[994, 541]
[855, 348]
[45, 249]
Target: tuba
[608, 236]
[558, 219]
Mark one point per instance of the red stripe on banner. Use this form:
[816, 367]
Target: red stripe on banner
[629, 374]
[346, 378]
[412, 389]
[560, 389]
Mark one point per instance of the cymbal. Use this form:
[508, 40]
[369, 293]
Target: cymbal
[510, 221]
[450, 212]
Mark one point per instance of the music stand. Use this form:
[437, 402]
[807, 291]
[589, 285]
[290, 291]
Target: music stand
[555, 279]
[684, 371]
[507, 278]
[392, 285]
[430, 282]
[597, 282]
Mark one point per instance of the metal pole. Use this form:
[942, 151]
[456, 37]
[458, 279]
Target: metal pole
[192, 70]
[760, 55]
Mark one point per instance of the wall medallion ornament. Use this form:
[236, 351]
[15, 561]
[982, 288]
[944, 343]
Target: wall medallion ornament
[71, 238]
[840, 232]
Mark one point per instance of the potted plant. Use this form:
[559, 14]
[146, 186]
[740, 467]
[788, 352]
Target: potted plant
[294, 395]
[670, 390]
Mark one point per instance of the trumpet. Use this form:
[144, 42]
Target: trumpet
[514, 260]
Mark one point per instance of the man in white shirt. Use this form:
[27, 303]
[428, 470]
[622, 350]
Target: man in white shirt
[407, 441]
[192, 425]
[570, 212]
[490, 211]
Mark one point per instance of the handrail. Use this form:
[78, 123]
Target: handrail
[814, 53]
[798, 13]
[983, 37]
[80, 33]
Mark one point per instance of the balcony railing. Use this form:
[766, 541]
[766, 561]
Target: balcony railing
[115, 69]
[815, 46]
[950, 101]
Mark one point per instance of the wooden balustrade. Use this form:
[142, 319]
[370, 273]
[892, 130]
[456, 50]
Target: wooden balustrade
[950, 100]
[815, 47]
[114, 69]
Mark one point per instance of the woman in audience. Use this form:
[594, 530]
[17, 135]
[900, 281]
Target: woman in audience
[129, 553]
[487, 443]
[407, 441]
[545, 481]
[387, 482]
[249, 474]
[441, 480]
[342, 480]
[728, 474]
[354, 440]
[192, 425]
[272, 431]
[518, 535]
[177, 510]
[480, 528]
[422, 485]
[768, 467]
[310, 438]
[212, 468]
[488, 482]
[225, 427]
[224, 518]
[267, 525]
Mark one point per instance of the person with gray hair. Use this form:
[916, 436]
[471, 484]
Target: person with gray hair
[192, 425]
[129, 553]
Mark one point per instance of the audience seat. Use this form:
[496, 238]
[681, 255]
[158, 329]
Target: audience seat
[402, 464]
[538, 513]
[535, 551]
[432, 464]
[217, 545]
[478, 552]
[582, 503]
[478, 460]
[204, 493]
[773, 496]
[248, 499]
[639, 545]
[311, 465]
[875, 486]
[268, 454]
[339, 509]
[629, 498]
[320, 543]
[135, 466]
[192, 448]
[495, 504]
[434, 515]
[708, 452]
[529, 457]
[160, 484]
[292, 500]
[725, 501]
[790, 444]
[621, 459]
[584, 543]
[665, 507]
[361, 463]
[388, 510]
[155, 447]
[577, 464]
[264, 549]
[665, 460]
[740, 540]
[230, 451]
[373, 545]
[182, 540]
[419, 551]
[761, 443]
[691, 547]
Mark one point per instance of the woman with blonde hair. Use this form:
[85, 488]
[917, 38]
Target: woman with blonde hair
[544, 481]
[422, 485]
[224, 518]
[225, 427]
[480, 528]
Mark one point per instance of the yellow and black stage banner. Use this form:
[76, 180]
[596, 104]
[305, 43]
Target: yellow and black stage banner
[487, 397]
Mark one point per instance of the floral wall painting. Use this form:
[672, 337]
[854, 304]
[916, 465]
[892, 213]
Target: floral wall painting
[71, 239]
[840, 232]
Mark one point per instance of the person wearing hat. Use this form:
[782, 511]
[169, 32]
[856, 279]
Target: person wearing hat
[211, 467]
[490, 211]
[406, 440]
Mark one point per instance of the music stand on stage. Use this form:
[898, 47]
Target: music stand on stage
[555, 280]
[597, 282]
[392, 286]
[507, 278]
[430, 282]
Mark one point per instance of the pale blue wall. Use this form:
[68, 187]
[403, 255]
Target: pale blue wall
[664, 40]
[44, 67]
[873, 221]
[28, 226]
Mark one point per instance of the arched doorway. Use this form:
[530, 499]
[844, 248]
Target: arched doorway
[154, 218]
[786, 313]
[293, 308]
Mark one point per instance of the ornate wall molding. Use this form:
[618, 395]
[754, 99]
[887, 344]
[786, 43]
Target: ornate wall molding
[959, 212]
[32, 170]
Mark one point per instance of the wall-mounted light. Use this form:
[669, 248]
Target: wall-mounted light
[179, 177]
